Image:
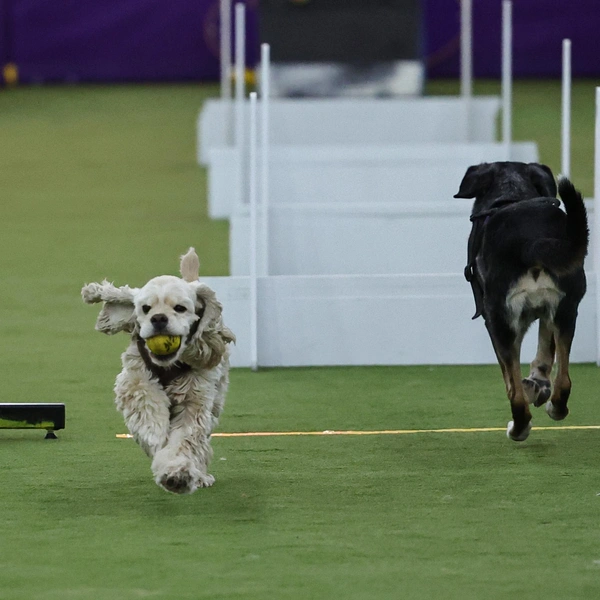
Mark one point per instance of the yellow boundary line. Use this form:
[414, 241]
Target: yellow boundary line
[385, 431]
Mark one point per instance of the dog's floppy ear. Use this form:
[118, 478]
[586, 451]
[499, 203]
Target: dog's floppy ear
[476, 182]
[209, 342]
[117, 314]
[208, 308]
[543, 180]
[190, 266]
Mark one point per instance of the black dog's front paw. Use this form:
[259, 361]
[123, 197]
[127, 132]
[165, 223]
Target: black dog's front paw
[537, 391]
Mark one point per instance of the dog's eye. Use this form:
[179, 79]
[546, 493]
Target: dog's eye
[145, 309]
[180, 308]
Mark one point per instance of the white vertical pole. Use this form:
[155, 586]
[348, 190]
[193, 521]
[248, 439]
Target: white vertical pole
[565, 165]
[264, 103]
[597, 222]
[240, 70]
[253, 238]
[225, 49]
[507, 75]
[240, 89]
[226, 91]
[466, 48]
[466, 60]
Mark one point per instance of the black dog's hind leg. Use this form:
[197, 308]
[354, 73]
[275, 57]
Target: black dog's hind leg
[556, 407]
[507, 346]
[537, 386]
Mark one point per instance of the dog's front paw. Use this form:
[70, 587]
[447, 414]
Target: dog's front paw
[537, 391]
[518, 436]
[178, 483]
[177, 473]
[183, 482]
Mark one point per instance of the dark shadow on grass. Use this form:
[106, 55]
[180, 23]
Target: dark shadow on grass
[30, 435]
[228, 499]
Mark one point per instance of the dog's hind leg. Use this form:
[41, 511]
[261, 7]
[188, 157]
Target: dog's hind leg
[507, 346]
[518, 429]
[556, 407]
[221, 391]
[537, 386]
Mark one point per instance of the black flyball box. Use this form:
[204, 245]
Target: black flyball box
[341, 31]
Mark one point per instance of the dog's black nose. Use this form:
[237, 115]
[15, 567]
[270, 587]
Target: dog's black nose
[159, 321]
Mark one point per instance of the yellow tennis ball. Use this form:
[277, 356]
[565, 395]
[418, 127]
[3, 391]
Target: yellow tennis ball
[162, 345]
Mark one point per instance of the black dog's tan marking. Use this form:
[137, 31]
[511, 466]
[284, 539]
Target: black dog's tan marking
[525, 263]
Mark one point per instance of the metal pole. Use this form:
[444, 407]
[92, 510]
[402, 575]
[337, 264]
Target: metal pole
[597, 222]
[507, 75]
[240, 89]
[566, 109]
[253, 238]
[226, 49]
[466, 48]
[264, 103]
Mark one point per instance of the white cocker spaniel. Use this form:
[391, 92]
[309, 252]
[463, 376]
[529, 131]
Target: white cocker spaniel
[171, 397]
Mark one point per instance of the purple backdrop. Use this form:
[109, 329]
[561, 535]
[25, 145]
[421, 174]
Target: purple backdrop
[136, 40]
[539, 26]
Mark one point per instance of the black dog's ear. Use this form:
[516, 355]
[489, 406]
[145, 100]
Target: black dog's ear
[543, 180]
[476, 182]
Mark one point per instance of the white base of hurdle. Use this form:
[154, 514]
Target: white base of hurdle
[356, 121]
[372, 320]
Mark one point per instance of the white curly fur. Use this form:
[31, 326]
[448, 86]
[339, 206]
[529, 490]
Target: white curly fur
[172, 421]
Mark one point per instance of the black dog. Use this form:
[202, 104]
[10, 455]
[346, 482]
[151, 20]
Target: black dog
[525, 262]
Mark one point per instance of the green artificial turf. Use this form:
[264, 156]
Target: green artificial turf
[102, 181]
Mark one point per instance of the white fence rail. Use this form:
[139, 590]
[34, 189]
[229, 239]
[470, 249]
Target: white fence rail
[356, 174]
[357, 121]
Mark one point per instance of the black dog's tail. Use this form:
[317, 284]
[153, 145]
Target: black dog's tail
[565, 256]
[577, 223]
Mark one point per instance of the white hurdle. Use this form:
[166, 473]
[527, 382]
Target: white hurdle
[597, 221]
[507, 74]
[265, 67]
[253, 249]
[295, 314]
[565, 165]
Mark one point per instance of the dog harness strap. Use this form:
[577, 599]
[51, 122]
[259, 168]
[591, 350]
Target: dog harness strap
[165, 375]
[473, 247]
[479, 221]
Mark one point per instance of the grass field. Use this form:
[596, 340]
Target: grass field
[101, 181]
